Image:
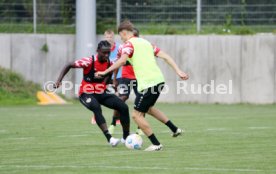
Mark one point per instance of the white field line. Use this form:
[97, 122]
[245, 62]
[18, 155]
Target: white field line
[216, 129]
[3, 131]
[80, 135]
[21, 138]
[259, 127]
[134, 167]
[86, 134]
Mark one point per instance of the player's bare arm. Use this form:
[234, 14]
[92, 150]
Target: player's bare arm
[63, 72]
[120, 62]
[115, 82]
[161, 54]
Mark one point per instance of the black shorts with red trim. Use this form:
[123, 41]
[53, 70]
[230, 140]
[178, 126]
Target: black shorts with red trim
[147, 98]
[126, 85]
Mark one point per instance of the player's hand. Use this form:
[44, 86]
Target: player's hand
[57, 85]
[183, 76]
[99, 74]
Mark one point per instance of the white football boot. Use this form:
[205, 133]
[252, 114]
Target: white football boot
[178, 132]
[114, 141]
[154, 148]
[123, 141]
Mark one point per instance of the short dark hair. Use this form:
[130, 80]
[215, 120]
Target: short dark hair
[109, 31]
[104, 45]
[125, 25]
[136, 32]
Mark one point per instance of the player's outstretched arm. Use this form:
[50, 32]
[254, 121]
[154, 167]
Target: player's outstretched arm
[63, 72]
[115, 82]
[161, 54]
[120, 62]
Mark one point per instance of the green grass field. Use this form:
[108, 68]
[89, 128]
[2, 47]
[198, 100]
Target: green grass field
[145, 29]
[60, 139]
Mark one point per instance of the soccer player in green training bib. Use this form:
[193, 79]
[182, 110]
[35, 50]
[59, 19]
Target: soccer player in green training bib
[139, 52]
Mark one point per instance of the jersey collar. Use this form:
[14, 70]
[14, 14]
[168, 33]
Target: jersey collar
[132, 37]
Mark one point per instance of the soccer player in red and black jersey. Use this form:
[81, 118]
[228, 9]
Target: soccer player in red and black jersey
[93, 93]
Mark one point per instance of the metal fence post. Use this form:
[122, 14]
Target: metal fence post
[118, 12]
[198, 16]
[34, 16]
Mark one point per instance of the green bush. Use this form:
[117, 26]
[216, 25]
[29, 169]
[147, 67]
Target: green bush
[14, 89]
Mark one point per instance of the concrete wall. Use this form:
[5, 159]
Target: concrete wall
[248, 61]
[258, 69]
[5, 50]
[23, 53]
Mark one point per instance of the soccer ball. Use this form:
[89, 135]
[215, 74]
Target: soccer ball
[134, 141]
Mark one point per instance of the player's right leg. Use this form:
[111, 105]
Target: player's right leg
[91, 103]
[140, 120]
[143, 102]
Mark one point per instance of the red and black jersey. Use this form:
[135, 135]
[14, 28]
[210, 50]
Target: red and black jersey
[128, 49]
[127, 69]
[86, 63]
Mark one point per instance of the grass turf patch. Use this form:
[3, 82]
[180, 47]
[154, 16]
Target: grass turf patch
[14, 89]
[60, 139]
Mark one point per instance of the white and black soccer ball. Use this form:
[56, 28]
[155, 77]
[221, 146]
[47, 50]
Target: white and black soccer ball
[134, 141]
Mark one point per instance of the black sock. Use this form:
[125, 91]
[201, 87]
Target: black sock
[154, 140]
[171, 126]
[125, 134]
[114, 119]
[107, 135]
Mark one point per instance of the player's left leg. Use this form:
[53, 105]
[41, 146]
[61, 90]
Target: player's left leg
[160, 115]
[116, 117]
[90, 101]
[123, 92]
[113, 102]
[164, 119]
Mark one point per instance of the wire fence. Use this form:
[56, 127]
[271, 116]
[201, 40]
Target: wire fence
[169, 16]
[182, 15]
[50, 17]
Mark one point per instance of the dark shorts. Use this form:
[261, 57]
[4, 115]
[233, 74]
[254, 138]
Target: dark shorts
[93, 101]
[126, 85]
[147, 98]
